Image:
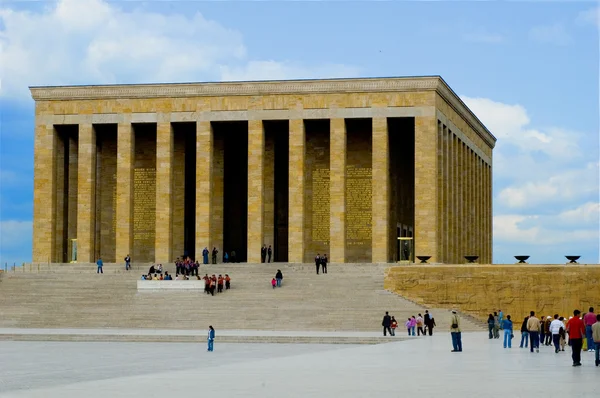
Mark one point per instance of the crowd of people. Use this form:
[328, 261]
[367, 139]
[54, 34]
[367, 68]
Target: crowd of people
[579, 332]
[422, 324]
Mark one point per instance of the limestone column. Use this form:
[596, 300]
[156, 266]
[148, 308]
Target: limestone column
[337, 191]
[204, 186]
[490, 218]
[86, 194]
[297, 155]
[124, 206]
[441, 232]
[163, 247]
[381, 191]
[256, 169]
[426, 193]
[447, 198]
[44, 194]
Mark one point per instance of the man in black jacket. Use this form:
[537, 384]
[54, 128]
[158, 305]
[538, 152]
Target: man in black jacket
[386, 323]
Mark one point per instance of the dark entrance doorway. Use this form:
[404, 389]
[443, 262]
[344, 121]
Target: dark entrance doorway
[402, 181]
[234, 136]
[277, 139]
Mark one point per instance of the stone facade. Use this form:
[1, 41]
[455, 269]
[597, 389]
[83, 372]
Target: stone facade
[387, 155]
[479, 290]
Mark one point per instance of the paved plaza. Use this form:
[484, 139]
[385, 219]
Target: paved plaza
[423, 366]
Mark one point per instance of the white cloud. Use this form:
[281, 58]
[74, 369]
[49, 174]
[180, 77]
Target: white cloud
[528, 230]
[93, 41]
[586, 214]
[552, 34]
[591, 16]
[546, 184]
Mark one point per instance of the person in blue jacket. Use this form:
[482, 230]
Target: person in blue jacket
[211, 338]
[507, 326]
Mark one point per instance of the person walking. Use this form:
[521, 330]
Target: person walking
[455, 332]
[211, 339]
[429, 322]
[547, 332]
[496, 326]
[413, 324]
[576, 330]
[596, 337]
[542, 330]
[100, 264]
[533, 327]
[555, 327]
[214, 255]
[524, 333]
[324, 263]
[589, 320]
[491, 324]
[394, 326]
[279, 277]
[507, 326]
[420, 330]
[127, 262]
[386, 323]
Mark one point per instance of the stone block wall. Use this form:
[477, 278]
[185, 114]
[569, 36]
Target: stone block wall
[482, 289]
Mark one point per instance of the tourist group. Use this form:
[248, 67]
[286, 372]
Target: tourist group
[580, 333]
[421, 324]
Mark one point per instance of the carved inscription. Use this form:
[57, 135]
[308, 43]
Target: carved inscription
[144, 205]
[114, 206]
[320, 205]
[358, 205]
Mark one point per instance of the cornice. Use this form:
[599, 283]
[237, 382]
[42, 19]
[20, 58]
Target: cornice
[182, 90]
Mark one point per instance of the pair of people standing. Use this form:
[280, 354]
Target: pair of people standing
[321, 262]
[205, 254]
[265, 254]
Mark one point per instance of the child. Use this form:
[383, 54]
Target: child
[408, 325]
[274, 283]
[394, 326]
[227, 282]
[561, 333]
[220, 284]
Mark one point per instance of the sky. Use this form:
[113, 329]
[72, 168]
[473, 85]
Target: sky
[528, 70]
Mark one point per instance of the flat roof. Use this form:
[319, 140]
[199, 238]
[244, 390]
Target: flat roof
[266, 87]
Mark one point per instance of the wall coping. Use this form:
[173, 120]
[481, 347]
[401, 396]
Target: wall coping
[252, 88]
[488, 266]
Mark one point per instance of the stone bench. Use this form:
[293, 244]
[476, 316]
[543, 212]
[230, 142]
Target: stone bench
[181, 285]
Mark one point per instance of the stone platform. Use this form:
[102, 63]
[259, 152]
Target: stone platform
[422, 367]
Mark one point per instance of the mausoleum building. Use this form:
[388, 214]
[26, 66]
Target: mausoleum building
[365, 170]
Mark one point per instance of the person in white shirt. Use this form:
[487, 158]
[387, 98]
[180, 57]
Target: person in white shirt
[555, 327]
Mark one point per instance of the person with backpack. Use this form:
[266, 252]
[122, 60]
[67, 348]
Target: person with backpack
[455, 332]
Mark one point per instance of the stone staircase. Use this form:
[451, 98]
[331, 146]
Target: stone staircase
[350, 298]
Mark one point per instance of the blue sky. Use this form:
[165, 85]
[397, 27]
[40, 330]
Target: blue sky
[528, 70]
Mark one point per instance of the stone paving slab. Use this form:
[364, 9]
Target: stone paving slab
[422, 366]
[183, 332]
